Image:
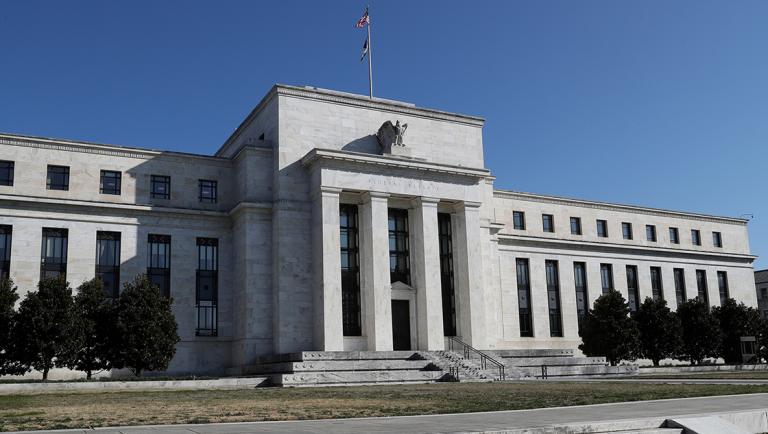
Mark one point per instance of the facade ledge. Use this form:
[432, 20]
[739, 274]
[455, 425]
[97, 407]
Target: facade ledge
[506, 194]
[318, 154]
[592, 245]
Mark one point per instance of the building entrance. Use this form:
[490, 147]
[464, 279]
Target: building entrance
[401, 325]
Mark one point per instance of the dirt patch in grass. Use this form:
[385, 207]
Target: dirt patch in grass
[93, 409]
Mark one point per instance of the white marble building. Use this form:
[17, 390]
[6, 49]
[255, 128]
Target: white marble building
[303, 232]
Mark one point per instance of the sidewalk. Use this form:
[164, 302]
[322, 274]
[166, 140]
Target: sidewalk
[469, 422]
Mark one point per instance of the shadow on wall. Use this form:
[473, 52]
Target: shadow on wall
[368, 145]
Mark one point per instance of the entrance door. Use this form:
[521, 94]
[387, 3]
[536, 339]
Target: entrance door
[401, 325]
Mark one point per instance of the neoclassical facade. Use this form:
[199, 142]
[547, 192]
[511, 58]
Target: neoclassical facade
[331, 221]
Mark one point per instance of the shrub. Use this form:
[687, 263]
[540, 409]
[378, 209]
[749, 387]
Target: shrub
[659, 327]
[44, 333]
[736, 320]
[95, 320]
[145, 335]
[8, 297]
[701, 332]
[609, 331]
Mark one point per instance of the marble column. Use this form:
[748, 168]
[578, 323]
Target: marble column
[426, 274]
[375, 286]
[327, 271]
[469, 274]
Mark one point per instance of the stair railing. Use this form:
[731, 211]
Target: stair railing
[467, 350]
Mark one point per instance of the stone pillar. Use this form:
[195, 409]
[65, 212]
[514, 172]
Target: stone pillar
[328, 333]
[375, 285]
[468, 265]
[426, 274]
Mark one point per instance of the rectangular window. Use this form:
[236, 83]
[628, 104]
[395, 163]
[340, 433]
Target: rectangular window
[5, 251]
[548, 222]
[553, 297]
[445, 235]
[207, 287]
[108, 262]
[626, 230]
[606, 277]
[582, 302]
[680, 295]
[53, 257]
[58, 178]
[6, 172]
[518, 218]
[109, 182]
[350, 270]
[717, 239]
[722, 284]
[701, 286]
[650, 233]
[656, 289]
[160, 187]
[674, 236]
[602, 228]
[695, 237]
[208, 191]
[159, 268]
[524, 298]
[399, 249]
[575, 226]
[633, 293]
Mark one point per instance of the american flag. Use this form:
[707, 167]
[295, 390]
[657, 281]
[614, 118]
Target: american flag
[365, 19]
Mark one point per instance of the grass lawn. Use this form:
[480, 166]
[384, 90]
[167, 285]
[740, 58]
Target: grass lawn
[92, 409]
[722, 375]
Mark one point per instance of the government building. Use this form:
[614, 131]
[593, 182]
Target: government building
[335, 222]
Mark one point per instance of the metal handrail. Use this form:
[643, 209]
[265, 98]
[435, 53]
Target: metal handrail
[484, 358]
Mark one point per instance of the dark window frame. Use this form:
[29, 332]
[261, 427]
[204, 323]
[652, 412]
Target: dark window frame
[626, 231]
[657, 285]
[552, 273]
[7, 169]
[582, 292]
[54, 266]
[602, 228]
[157, 272]
[576, 226]
[722, 286]
[518, 220]
[207, 321]
[702, 287]
[717, 239]
[156, 182]
[349, 253]
[633, 289]
[400, 269]
[448, 288]
[109, 273]
[678, 275]
[606, 278]
[525, 313]
[696, 237]
[212, 188]
[650, 233]
[6, 242]
[674, 235]
[548, 223]
[116, 178]
[57, 178]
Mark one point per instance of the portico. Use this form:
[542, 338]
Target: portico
[395, 263]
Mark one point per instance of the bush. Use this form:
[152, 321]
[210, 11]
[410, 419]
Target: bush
[145, 335]
[736, 320]
[701, 332]
[659, 327]
[95, 319]
[8, 297]
[609, 331]
[44, 333]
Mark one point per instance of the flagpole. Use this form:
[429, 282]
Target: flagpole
[370, 57]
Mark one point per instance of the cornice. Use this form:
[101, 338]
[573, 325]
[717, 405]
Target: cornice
[586, 246]
[100, 149]
[532, 197]
[318, 154]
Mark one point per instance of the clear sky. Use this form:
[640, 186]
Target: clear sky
[651, 102]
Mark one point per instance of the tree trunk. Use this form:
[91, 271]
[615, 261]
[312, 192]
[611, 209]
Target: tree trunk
[655, 363]
[88, 374]
[45, 373]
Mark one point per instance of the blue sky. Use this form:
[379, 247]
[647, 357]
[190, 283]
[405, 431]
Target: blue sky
[657, 103]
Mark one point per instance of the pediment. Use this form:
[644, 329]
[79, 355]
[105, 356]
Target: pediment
[401, 286]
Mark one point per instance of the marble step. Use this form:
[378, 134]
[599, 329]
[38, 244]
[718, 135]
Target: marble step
[554, 361]
[337, 365]
[540, 352]
[583, 370]
[355, 377]
[336, 355]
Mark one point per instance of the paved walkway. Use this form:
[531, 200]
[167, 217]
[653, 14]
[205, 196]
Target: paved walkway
[670, 380]
[469, 422]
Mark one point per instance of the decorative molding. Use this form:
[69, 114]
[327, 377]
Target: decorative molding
[532, 197]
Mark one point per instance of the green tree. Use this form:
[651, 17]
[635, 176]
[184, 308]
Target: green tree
[701, 332]
[736, 320]
[659, 327]
[145, 335]
[44, 334]
[95, 316]
[8, 297]
[609, 331]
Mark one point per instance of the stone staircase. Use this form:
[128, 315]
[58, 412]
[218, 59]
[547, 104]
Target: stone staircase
[548, 363]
